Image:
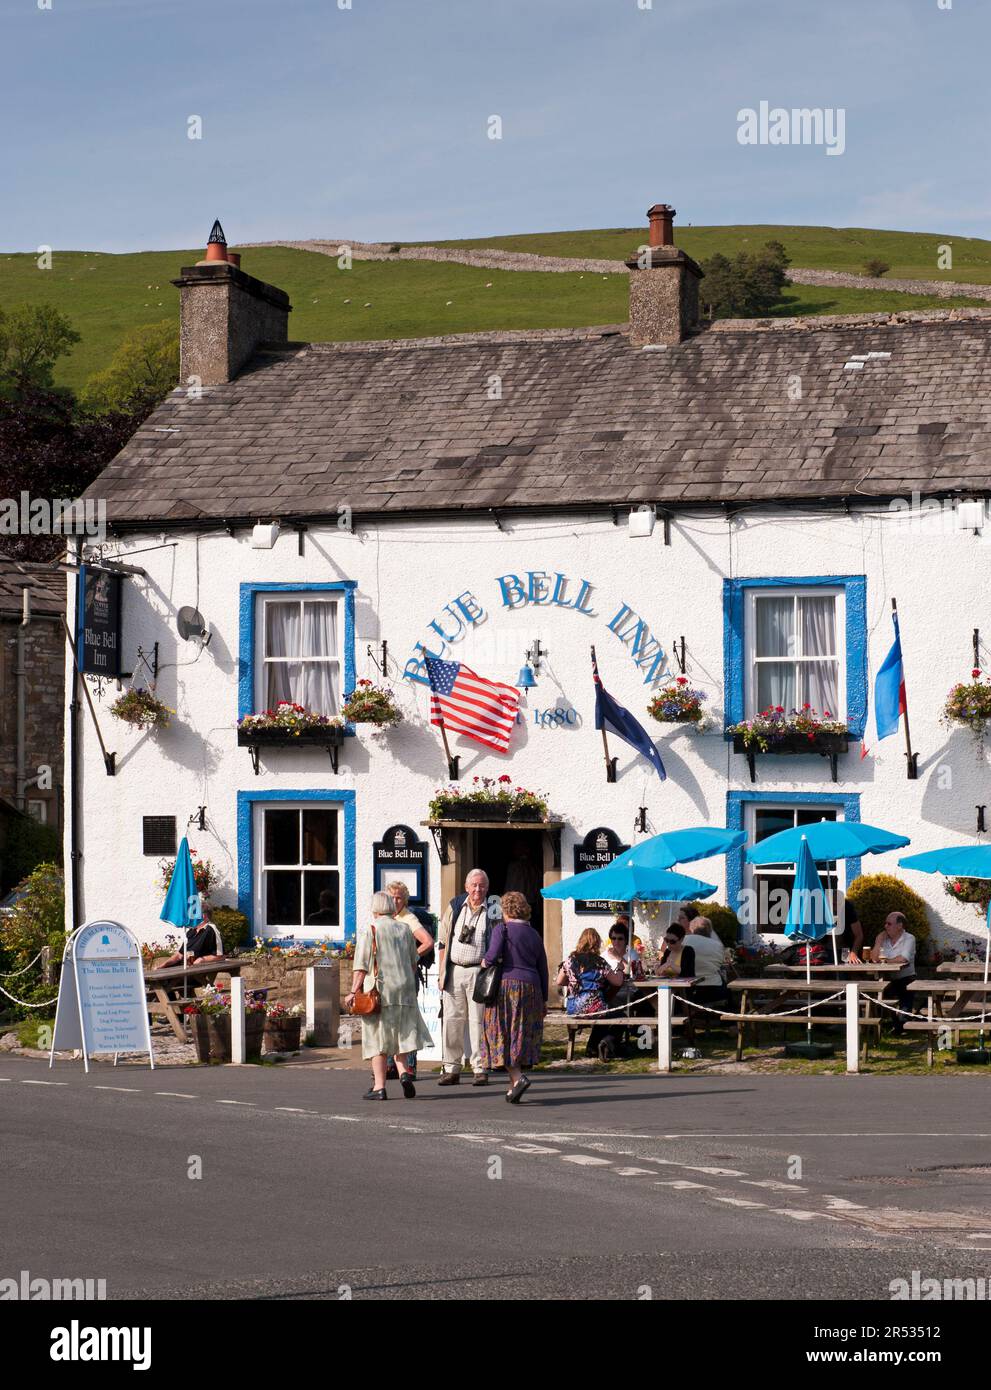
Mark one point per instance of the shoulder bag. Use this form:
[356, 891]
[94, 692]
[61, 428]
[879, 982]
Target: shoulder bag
[370, 1001]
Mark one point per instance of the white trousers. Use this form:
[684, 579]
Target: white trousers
[459, 1009]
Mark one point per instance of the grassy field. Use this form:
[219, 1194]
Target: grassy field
[911, 255]
[106, 296]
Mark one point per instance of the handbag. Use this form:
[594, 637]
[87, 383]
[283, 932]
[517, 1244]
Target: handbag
[370, 1001]
[487, 983]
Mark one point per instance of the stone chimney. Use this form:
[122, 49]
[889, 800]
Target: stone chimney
[224, 315]
[664, 286]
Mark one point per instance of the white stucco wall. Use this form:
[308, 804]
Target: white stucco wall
[407, 573]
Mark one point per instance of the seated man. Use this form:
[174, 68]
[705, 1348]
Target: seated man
[203, 944]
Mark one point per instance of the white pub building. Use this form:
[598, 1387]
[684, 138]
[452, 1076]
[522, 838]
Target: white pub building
[737, 504]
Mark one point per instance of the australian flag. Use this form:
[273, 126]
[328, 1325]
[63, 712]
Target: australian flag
[611, 716]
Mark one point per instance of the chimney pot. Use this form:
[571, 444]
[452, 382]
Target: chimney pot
[661, 219]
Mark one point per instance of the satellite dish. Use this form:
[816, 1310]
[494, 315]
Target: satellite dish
[192, 627]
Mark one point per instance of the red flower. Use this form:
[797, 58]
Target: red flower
[505, 777]
[975, 674]
[779, 709]
[826, 714]
[682, 680]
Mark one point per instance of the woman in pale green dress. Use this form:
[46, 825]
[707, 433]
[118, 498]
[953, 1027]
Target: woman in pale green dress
[398, 1028]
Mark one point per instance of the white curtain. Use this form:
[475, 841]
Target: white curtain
[775, 637]
[819, 679]
[307, 630]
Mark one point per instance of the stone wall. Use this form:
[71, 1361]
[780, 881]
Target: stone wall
[44, 713]
[285, 976]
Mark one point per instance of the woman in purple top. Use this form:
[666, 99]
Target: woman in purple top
[513, 1027]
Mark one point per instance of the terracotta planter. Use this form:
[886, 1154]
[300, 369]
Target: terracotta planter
[284, 1035]
[212, 1035]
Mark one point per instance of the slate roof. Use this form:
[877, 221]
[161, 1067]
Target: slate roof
[735, 415]
[47, 586]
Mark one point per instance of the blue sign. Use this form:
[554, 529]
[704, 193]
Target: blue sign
[101, 1000]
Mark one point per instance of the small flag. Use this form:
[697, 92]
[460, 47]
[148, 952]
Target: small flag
[470, 705]
[611, 716]
[889, 689]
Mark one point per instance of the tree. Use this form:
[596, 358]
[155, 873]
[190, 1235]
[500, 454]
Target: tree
[747, 286]
[32, 339]
[142, 371]
[876, 268]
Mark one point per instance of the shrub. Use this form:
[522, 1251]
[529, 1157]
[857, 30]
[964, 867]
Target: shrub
[233, 927]
[748, 286]
[875, 268]
[875, 895]
[725, 922]
[36, 920]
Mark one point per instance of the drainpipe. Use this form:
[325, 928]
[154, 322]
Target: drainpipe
[20, 678]
[73, 802]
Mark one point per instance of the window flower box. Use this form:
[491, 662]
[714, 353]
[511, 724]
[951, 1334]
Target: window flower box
[290, 726]
[790, 735]
[491, 799]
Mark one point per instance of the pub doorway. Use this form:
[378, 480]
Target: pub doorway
[514, 860]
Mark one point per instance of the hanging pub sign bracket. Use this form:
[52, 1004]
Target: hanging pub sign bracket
[151, 666]
[380, 663]
[440, 843]
[680, 654]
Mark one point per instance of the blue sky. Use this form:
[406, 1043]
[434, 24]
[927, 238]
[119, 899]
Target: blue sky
[370, 122]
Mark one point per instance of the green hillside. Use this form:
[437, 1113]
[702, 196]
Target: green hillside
[106, 296]
[911, 255]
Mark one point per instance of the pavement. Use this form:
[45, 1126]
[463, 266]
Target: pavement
[282, 1183]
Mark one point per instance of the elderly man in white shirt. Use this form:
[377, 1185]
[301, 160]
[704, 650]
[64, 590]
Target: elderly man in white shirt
[465, 931]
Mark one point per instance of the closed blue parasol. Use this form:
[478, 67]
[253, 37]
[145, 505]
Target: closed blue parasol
[682, 846]
[809, 919]
[182, 906]
[827, 840]
[624, 881]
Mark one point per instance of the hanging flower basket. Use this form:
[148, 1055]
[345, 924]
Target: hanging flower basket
[970, 704]
[372, 704]
[491, 799]
[970, 890]
[142, 709]
[679, 703]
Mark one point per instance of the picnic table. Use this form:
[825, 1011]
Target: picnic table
[850, 970]
[578, 1023]
[969, 1008]
[776, 994]
[158, 983]
[965, 969]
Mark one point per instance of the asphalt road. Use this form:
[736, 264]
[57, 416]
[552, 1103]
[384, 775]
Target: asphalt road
[283, 1184]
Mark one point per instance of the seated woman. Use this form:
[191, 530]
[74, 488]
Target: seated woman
[586, 976]
[703, 955]
[620, 955]
[896, 945]
[670, 965]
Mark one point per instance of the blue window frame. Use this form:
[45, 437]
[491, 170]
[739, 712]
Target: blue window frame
[736, 819]
[736, 642]
[246, 635]
[247, 851]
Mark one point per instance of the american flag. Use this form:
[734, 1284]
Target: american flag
[470, 705]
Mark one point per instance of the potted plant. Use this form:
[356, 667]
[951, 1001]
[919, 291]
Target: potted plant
[283, 1024]
[969, 704]
[679, 703]
[970, 890]
[490, 798]
[372, 704]
[800, 731]
[210, 1020]
[142, 709]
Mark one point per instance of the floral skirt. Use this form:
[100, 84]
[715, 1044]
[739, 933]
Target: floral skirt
[513, 1027]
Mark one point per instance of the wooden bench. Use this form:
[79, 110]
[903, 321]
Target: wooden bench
[970, 1011]
[770, 1010]
[158, 984]
[578, 1023]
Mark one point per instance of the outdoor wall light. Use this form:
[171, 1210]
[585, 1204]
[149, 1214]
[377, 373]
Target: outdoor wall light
[264, 535]
[642, 520]
[970, 515]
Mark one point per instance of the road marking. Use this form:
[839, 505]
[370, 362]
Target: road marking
[478, 1138]
[841, 1204]
[634, 1172]
[586, 1161]
[349, 1119]
[774, 1185]
[295, 1110]
[43, 1083]
[981, 1235]
[803, 1215]
[131, 1090]
[681, 1184]
[714, 1172]
[739, 1202]
[235, 1102]
[181, 1095]
[530, 1149]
